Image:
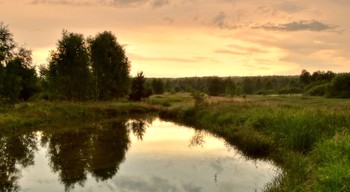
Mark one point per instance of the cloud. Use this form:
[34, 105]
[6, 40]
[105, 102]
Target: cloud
[149, 185]
[159, 3]
[168, 59]
[117, 3]
[289, 7]
[220, 20]
[189, 187]
[240, 50]
[303, 25]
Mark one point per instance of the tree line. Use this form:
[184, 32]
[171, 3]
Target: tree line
[94, 68]
[319, 83]
[97, 68]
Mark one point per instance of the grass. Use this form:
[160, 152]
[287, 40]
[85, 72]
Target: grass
[308, 137]
[24, 115]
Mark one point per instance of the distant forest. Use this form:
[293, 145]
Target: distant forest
[97, 68]
[318, 83]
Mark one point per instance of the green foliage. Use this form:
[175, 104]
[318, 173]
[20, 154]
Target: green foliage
[7, 44]
[158, 86]
[17, 76]
[340, 86]
[216, 86]
[138, 88]
[110, 67]
[331, 159]
[307, 137]
[305, 77]
[200, 99]
[318, 90]
[290, 90]
[68, 73]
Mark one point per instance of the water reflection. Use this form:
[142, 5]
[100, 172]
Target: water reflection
[197, 139]
[15, 151]
[123, 155]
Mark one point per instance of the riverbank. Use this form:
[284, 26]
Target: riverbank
[40, 113]
[307, 137]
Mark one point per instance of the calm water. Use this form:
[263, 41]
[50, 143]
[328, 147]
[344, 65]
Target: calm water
[145, 155]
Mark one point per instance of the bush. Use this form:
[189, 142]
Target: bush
[200, 99]
[339, 86]
[319, 90]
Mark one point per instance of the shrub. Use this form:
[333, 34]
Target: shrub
[200, 99]
[319, 90]
[339, 86]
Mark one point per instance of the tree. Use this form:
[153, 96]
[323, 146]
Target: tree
[138, 90]
[17, 75]
[231, 88]
[339, 86]
[216, 86]
[158, 86]
[305, 77]
[7, 44]
[248, 85]
[110, 67]
[68, 71]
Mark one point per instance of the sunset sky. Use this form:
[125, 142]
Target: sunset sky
[179, 38]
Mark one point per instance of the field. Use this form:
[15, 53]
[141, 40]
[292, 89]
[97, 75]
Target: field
[308, 137]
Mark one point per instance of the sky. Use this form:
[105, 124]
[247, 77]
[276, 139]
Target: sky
[185, 38]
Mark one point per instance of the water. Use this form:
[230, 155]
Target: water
[145, 155]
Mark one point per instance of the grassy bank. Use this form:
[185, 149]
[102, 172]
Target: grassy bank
[24, 115]
[309, 138]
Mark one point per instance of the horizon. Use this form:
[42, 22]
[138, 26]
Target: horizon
[179, 39]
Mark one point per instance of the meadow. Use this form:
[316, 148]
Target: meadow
[308, 137]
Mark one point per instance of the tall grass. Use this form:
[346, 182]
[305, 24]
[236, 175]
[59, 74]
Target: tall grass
[298, 133]
[24, 115]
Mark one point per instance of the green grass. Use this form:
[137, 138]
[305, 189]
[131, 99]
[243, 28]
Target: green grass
[308, 137]
[24, 115]
[300, 134]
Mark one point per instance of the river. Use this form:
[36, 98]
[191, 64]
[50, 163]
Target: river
[127, 155]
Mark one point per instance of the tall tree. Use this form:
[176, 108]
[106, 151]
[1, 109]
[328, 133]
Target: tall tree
[68, 72]
[216, 86]
[158, 86]
[339, 86]
[7, 44]
[17, 75]
[110, 67]
[138, 87]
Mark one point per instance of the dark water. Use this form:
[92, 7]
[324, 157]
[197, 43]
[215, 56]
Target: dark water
[126, 155]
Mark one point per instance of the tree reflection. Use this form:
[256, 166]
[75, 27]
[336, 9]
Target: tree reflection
[69, 152]
[197, 139]
[109, 145]
[138, 126]
[14, 151]
[97, 149]
[73, 152]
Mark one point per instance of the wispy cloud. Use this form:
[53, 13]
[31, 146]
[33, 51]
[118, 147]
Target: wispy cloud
[220, 20]
[240, 50]
[289, 7]
[160, 3]
[118, 3]
[303, 25]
